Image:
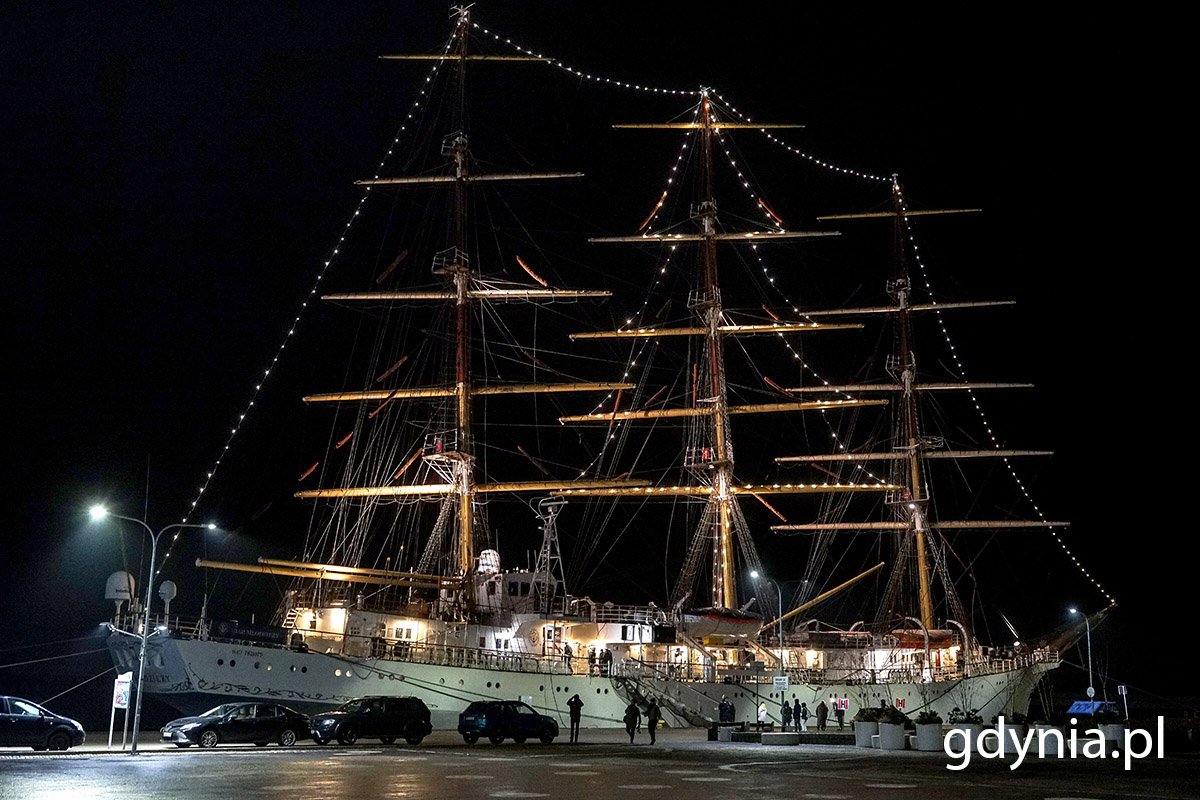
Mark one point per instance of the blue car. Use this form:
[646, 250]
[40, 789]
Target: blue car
[505, 719]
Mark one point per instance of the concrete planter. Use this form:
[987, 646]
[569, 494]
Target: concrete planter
[891, 736]
[863, 731]
[1114, 733]
[970, 732]
[1045, 747]
[1013, 735]
[929, 737]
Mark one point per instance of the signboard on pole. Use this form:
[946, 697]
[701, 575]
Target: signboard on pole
[781, 683]
[120, 700]
[121, 690]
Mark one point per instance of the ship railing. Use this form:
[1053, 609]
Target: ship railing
[178, 627]
[659, 670]
[633, 615]
[456, 656]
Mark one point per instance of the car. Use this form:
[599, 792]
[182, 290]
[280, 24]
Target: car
[261, 723]
[26, 724]
[384, 718]
[501, 719]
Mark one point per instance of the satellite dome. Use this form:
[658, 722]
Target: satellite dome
[119, 586]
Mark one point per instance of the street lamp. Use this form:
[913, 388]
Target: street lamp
[756, 576]
[98, 513]
[1091, 690]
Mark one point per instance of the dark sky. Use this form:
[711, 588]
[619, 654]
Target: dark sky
[174, 174]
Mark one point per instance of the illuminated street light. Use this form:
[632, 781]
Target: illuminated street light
[99, 512]
[754, 574]
[1091, 690]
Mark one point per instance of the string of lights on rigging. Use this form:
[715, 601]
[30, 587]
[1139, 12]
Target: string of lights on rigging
[859, 466]
[820, 162]
[962, 374]
[580, 73]
[321, 273]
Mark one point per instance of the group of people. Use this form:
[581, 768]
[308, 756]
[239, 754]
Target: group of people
[600, 663]
[633, 718]
[798, 712]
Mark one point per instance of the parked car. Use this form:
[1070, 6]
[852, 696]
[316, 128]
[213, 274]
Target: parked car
[26, 724]
[384, 718]
[501, 719]
[261, 723]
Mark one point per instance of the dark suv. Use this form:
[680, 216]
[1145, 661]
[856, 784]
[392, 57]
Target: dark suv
[384, 718]
[23, 723]
[501, 719]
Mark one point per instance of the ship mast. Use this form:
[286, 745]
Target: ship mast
[463, 556]
[724, 585]
[912, 450]
[712, 462]
[913, 506]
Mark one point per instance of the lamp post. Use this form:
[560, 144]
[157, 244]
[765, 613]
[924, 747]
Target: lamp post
[98, 513]
[1091, 690]
[756, 576]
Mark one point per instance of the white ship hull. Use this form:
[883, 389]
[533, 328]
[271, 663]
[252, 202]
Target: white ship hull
[193, 675]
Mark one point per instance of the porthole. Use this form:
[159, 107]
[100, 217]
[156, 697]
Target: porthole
[256, 664]
[292, 668]
[489, 684]
[606, 691]
[220, 662]
[540, 688]
[337, 672]
[441, 680]
[597, 691]
[497, 684]
[460, 683]
[304, 669]
[558, 688]
[232, 663]
[268, 667]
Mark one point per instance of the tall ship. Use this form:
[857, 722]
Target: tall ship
[464, 396]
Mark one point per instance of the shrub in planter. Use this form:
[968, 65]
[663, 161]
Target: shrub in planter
[970, 723]
[929, 731]
[892, 722]
[866, 725]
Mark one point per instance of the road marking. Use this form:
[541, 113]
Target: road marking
[496, 758]
[890, 785]
[643, 786]
[813, 796]
[469, 777]
[708, 778]
[684, 771]
[576, 772]
[518, 794]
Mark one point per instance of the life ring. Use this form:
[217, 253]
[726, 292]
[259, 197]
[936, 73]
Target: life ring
[533, 636]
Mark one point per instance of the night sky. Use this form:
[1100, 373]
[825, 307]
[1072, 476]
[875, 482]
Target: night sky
[174, 175]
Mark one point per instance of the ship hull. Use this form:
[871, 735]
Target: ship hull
[193, 675]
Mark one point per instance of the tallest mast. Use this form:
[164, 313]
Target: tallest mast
[458, 267]
[708, 306]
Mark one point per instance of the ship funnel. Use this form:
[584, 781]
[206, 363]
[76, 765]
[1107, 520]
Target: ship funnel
[489, 562]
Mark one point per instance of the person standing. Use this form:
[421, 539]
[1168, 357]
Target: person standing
[796, 714]
[840, 712]
[591, 660]
[822, 715]
[567, 657]
[653, 715]
[725, 709]
[762, 715]
[785, 714]
[633, 717]
[802, 718]
[576, 706]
